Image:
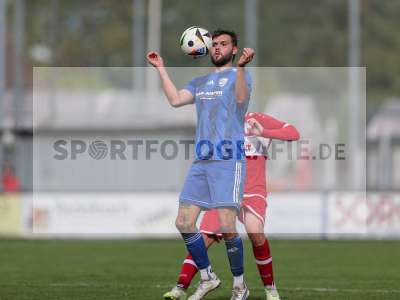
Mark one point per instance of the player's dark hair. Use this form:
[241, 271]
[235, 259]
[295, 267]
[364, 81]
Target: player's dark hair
[232, 34]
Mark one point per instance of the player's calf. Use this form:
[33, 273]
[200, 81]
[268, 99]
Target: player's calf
[262, 254]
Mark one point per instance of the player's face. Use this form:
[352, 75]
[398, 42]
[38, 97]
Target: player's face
[222, 50]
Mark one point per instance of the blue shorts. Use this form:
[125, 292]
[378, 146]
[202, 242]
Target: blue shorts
[214, 183]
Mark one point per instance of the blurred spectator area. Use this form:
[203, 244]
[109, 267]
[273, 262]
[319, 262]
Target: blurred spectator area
[383, 145]
[72, 33]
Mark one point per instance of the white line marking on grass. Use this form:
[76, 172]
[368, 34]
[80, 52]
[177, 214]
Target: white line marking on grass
[166, 286]
[335, 290]
[312, 289]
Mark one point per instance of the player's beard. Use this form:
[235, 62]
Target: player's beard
[223, 60]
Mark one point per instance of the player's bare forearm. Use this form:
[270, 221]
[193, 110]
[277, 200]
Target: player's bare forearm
[241, 89]
[175, 97]
[168, 87]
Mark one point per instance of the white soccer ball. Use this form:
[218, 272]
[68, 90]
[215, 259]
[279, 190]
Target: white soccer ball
[196, 41]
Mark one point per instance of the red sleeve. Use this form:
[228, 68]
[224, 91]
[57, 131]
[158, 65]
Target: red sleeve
[266, 121]
[287, 133]
[274, 128]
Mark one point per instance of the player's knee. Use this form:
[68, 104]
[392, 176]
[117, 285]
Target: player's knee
[185, 226]
[254, 227]
[228, 229]
[228, 225]
[257, 238]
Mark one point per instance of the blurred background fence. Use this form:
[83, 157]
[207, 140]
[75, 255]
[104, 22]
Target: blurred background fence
[76, 70]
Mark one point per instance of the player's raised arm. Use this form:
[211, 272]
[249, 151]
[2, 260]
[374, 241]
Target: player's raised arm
[269, 127]
[242, 89]
[175, 97]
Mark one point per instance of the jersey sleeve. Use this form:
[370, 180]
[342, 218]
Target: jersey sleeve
[191, 86]
[274, 128]
[266, 121]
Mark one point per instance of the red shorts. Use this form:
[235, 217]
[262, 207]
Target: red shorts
[253, 203]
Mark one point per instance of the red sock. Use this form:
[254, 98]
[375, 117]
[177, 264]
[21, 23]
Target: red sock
[188, 271]
[263, 258]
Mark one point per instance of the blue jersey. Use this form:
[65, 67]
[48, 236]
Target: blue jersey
[220, 119]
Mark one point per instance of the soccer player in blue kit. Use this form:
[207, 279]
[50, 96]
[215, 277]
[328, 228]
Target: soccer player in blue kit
[216, 177]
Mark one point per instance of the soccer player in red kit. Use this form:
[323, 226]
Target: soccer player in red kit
[260, 129]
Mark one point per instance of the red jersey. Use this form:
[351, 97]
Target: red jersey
[256, 148]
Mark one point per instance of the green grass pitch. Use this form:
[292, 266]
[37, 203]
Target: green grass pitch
[145, 269]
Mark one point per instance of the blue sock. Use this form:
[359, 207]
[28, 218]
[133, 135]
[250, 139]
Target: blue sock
[234, 248]
[197, 249]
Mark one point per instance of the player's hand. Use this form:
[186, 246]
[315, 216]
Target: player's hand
[155, 59]
[255, 127]
[246, 57]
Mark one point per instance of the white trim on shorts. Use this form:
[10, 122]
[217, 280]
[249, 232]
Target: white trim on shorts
[238, 181]
[251, 210]
[254, 195]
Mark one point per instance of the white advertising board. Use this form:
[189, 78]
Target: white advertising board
[298, 215]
